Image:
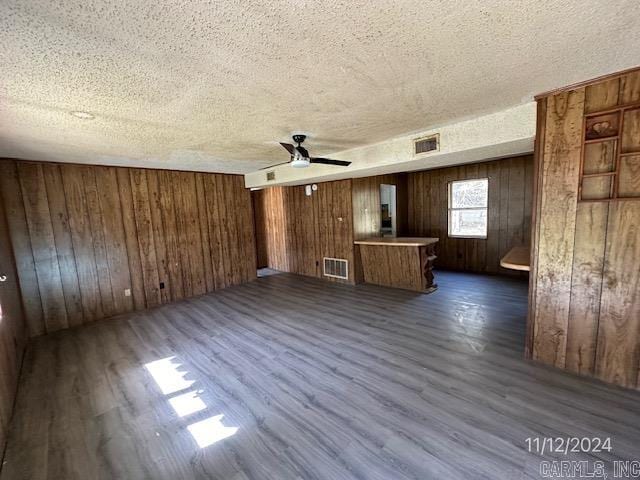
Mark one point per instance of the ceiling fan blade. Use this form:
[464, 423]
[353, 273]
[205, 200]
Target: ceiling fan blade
[288, 147]
[276, 165]
[303, 151]
[328, 161]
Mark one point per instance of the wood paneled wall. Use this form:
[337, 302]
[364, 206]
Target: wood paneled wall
[12, 330]
[296, 231]
[509, 213]
[585, 282]
[366, 210]
[83, 235]
[299, 230]
[366, 204]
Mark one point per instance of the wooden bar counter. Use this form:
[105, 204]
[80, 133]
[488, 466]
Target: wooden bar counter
[400, 262]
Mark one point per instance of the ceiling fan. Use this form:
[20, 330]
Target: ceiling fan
[300, 156]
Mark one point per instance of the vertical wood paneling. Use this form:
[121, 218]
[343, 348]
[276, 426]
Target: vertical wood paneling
[618, 349]
[586, 285]
[63, 243]
[301, 230]
[561, 163]
[246, 231]
[503, 243]
[629, 88]
[538, 157]
[510, 186]
[601, 242]
[131, 238]
[17, 222]
[99, 247]
[493, 219]
[478, 254]
[215, 234]
[146, 243]
[82, 239]
[38, 217]
[231, 229]
[223, 225]
[159, 236]
[86, 235]
[260, 219]
[203, 221]
[516, 201]
[188, 210]
[602, 95]
[115, 237]
[249, 232]
[12, 329]
[270, 201]
[528, 200]
[171, 239]
[366, 204]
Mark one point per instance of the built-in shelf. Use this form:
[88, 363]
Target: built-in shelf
[610, 160]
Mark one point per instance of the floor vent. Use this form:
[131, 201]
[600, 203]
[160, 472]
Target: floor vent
[427, 144]
[336, 268]
[271, 176]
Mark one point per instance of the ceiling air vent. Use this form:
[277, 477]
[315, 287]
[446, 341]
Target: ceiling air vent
[427, 144]
[271, 176]
[336, 268]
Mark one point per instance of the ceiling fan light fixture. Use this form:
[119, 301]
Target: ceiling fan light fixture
[299, 162]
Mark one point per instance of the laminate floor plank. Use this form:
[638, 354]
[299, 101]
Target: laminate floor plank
[291, 377]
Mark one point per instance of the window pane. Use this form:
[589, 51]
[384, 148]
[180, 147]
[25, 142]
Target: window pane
[469, 223]
[469, 193]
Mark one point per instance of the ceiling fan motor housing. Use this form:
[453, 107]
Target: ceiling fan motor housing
[299, 138]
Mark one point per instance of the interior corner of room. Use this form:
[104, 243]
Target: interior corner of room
[219, 269]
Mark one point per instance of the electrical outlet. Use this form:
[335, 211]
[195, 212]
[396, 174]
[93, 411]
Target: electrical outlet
[127, 292]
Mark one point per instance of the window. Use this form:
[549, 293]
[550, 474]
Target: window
[468, 201]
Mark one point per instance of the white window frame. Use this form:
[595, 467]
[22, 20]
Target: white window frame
[450, 209]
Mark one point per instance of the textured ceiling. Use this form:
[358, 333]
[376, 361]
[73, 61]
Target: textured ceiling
[213, 85]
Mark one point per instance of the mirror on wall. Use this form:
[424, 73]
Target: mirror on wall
[388, 210]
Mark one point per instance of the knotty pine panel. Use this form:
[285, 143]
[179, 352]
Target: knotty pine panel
[508, 216]
[82, 235]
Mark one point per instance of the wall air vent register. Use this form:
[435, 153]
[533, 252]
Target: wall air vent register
[426, 144]
[336, 268]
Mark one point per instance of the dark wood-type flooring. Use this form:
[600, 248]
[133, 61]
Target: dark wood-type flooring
[290, 377]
